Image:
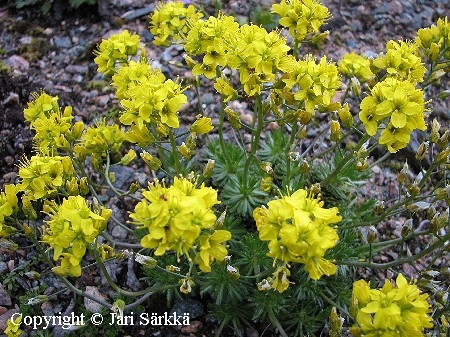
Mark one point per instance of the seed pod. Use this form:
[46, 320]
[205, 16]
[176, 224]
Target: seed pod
[422, 151]
[208, 170]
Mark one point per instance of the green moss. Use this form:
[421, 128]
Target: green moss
[36, 49]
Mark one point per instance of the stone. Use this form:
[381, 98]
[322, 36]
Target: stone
[17, 62]
[5, 299]
[5, 317]
[119, 232]
[194, 327]
[63, 42]
[189, 306]
[91, 305]
[3, 268]
[123, 175]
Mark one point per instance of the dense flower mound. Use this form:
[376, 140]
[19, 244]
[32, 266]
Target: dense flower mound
[180, 218]
[298, 229]
[394, 311]
[71, 228]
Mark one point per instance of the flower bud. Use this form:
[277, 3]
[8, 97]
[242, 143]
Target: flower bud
[184, 150]
[422, 151]
[414, 189]
[372, 235]
[134, 187]
[28, 208]
[233, 272]
[128, 157]
[189, 61]
[379, 207]
[403, 175]
[304, 167]
[72, 186]
[434, 134]
[304, 117]
[442, 157]
[266, 184]
[336, 323]
[294, 156]
[336, 132]
[431, 212]
[152, 162]
[208, 169]
[345, 115]
[83, 185]
[77, 129]
[362, 165]
[407, 228]
[233, 118]
[443, 141]
[173, 269]
[146, 261]
[355, 86]
[191, 141]
[37, 300]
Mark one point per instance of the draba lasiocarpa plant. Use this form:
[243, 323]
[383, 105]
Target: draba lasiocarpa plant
[274, 226]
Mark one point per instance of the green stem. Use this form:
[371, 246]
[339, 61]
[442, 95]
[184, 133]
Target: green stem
[256, 136]
[287, 151]
[349, 157]
[430, 249]
[175, 155]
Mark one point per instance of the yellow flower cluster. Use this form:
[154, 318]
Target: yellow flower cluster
[170, 22]
[71, 228]
[402, 61]
[258, 56]
[211, 38]
[147, 97]
[43, 175]
[397, 104]
[54, 129]
[115, 49]
[8, 206]
[435, 39]
[392, 311]
[316, 83]
[180, 218]
[301, 17]
[98, 140]
[354, 65]
[298, 229]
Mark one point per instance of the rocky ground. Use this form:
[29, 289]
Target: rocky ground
[53, 52]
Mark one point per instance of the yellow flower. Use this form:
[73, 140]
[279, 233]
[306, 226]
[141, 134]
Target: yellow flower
[280, 280]
[391, 311]
[201, 125]
[211, 248]
[70, 266]
[224, 88]
[41, 107]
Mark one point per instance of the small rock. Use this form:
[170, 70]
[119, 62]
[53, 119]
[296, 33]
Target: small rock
[376, 169]
[3, 310]
[10, 265]
[26, 40]
[207, 98]
[10, 176]
[188, 306]
[103, 100]
[90, 304]
[5, 299]
[3, 268]
[17, 62]
[76, 69]
[123, 175]
[63, 42]
[5, 317]
[119, 232]
[194, 327]
[251, 332]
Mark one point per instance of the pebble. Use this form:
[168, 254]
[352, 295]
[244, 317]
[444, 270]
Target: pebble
[119, 232]
[3, 268]
[194, 327]
[63, 42]
[5, 317]
[17, 62]
[5, 299]
[189, 306]
[90, 305]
